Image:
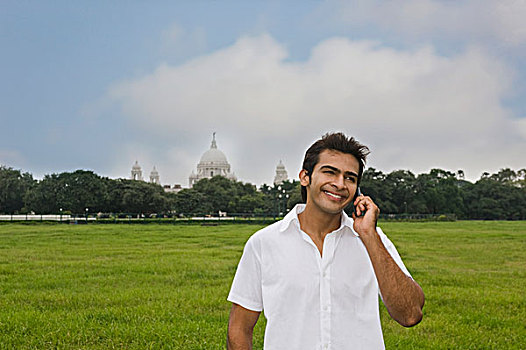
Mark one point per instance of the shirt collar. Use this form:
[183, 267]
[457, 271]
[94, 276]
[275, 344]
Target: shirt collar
[292, 216]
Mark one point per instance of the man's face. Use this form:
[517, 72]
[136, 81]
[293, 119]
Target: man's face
[333, 181]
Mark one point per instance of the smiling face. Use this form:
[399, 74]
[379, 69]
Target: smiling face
[333, 182]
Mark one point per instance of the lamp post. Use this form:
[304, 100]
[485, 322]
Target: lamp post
[60, 214]
[276, 201]
[87, 215]
[283, 196]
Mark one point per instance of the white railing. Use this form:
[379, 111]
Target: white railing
[47, 217]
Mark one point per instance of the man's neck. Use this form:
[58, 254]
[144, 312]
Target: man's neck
[317, 223]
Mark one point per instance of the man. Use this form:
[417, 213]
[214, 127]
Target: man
[317, 273]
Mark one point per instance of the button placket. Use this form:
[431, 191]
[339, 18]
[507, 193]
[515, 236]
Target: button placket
[325, 290]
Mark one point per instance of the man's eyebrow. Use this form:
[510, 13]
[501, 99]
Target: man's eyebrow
[347, 173]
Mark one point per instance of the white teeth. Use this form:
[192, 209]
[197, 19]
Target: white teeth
[333, 195]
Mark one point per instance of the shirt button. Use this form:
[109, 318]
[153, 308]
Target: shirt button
[326, 346]
[325, 308]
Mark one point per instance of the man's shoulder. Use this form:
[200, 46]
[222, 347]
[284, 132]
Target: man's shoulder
[274, 231]
[268, 232]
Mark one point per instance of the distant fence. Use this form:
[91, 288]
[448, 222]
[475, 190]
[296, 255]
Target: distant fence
[418, 217]
[205, 220]
[193, 218]
[137, 219]
[46, 217]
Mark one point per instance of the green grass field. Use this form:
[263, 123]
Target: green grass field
[165, 287]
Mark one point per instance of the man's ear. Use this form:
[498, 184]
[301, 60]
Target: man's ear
[304, 177]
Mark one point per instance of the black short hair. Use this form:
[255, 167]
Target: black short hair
[336, 142]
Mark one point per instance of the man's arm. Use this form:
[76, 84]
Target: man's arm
[240, 327]
[402, 296]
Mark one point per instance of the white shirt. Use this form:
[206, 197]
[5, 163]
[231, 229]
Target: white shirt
[312, 301]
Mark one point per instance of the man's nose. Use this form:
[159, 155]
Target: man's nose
[338, 181]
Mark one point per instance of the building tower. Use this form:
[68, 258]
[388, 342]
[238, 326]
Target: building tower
[136, 172]
[213, 162]
[154, 177]
[281, 174]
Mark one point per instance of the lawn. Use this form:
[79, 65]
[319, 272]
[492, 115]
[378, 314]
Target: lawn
[165, 286]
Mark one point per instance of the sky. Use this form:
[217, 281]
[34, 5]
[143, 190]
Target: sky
[98, 85]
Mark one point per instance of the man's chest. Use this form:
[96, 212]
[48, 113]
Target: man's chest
[296, 266]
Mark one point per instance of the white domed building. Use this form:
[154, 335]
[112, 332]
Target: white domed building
[281, 174]
[136, 172]
[154, 177]
[213, 162]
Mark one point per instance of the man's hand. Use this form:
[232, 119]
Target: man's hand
[365, 224]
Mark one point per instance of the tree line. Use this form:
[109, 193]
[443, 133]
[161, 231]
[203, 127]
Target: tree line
[494, 196]
[499, 196]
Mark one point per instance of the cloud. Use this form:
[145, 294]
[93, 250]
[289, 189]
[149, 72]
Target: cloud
[174, 164]
[178, 43]
[416, 109]
[11, 158]
[509, 20]
[501, 22]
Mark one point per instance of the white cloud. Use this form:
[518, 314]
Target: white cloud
[481, 20]
[416, 109]
[173, 164]
[509, 20]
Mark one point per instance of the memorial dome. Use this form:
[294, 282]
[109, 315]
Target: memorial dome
[281, 174]
[213, 162]
[136, 166]
[213, 155]
[136, 172]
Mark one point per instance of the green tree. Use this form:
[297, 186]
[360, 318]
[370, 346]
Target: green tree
[439, 192]
[521, 178]
[72, 192]
[248, 203]
[222, 194]
[290, 192]
[219, 193]
[42, 198]
[136, 197]
[14, 187]
[400, 184]
[492, 199]
[374, 185]
[507, 176]
[295, 196]
[191, 201]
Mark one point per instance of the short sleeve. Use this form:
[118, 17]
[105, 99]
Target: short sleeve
[246, 287]
[392, 251]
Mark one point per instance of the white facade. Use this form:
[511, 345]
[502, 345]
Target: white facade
[172, 189]
[281, 174]
[213, 162]
[136, 172]
[154, 177]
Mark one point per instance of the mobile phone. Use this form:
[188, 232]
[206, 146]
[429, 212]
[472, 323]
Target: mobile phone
[358, 193]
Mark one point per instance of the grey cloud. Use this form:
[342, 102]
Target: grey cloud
[479, 20]
[415, 108]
